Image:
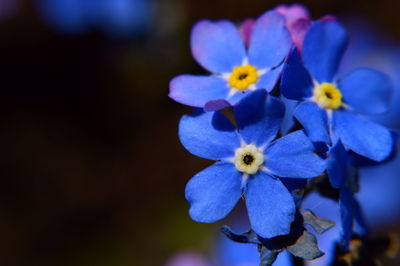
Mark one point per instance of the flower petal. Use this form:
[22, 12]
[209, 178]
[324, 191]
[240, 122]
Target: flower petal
[314, 120]
[270, 78]
[259, 117]
[293, 12]
[296, 83]
[337, 165]
[238, 96]
[298, 29]
[270, 41]
[213, 192]
[270, 206]
[216, 105]
[288, 121]
[197, 90]
[245, 29]
[217, 46]
[361, 136]
[346, 216]
[367, 91]
[293, 156]
[208, 135]
[323, 49]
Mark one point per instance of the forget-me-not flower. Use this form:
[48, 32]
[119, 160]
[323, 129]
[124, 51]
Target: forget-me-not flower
[331, 106]
[220, 48]
[249, 163]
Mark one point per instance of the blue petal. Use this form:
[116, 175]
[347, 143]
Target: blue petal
[238, 96]
[270, 79]
[216, 105]
[314, 120]
[213, 192]
[337, 165]
[197, 90]
[367, 91]
[270, 41]
[293, 156]
[296, 83]
[217, 46]
[346, 216]
[361, 136]
[270, 206]
[288, 121]
[323, 49]
[208, 135]
[259, 117]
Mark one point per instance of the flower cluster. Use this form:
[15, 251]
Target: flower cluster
[238, 122]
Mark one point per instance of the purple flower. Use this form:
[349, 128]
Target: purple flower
[298, 21]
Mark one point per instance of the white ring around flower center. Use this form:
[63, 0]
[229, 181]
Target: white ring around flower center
[248, 159]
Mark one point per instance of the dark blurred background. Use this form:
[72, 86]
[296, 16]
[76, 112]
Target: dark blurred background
[92, 172]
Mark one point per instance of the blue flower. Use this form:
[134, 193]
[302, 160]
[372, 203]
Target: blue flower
[220, 48]
[249, 163]
[331, 106]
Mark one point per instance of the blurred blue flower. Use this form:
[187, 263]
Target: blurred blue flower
[230, 253]
[375, 193]
[249, 162]
[379, 187]
[330, 107]
[220, 48]
[368, 47]
[115, 17]
[379, 183]
[227, 253]
[378, 198]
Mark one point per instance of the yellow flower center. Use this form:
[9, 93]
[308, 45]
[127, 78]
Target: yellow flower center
[327, 96]
[242, 77]
[248, 159]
